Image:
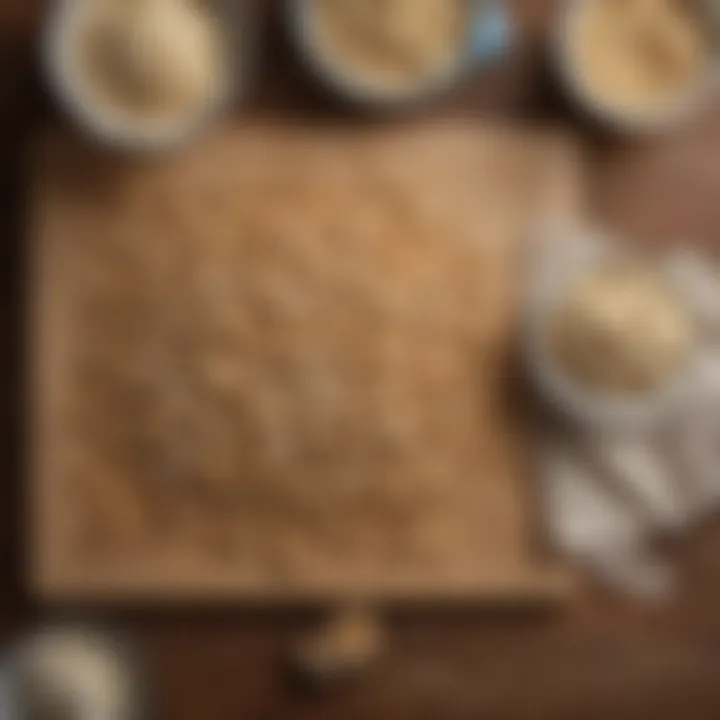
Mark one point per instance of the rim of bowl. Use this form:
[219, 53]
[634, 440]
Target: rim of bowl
[133, 663]
[342, 84]
[686, 106]
[591, 408]
[96, 120]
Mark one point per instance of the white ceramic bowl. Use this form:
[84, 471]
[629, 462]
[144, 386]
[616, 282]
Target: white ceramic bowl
[490, 34]
[134, 672]
[576, 402]
[115, 130]
[687, 105]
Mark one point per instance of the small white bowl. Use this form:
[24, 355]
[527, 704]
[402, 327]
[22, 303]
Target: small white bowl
[587, 407]
[114, 129]
[687, 105]
[134, 673]
[490, 34]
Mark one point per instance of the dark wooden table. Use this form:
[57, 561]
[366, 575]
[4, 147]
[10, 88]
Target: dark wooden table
[602, 657]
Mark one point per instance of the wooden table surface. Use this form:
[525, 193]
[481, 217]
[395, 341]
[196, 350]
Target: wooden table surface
[602, 657]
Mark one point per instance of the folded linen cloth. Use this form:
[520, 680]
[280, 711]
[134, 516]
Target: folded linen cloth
[610, 492]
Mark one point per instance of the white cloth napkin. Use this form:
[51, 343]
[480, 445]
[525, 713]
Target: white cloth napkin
[609, 495]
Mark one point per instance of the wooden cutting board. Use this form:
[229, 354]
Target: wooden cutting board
[278, 365]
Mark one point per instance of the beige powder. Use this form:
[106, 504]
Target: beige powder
[153, 58]
[390, 44]
[622, 330]
[640, 54]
